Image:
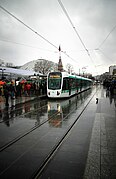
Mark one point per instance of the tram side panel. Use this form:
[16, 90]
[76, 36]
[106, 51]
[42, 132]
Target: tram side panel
[71, 86]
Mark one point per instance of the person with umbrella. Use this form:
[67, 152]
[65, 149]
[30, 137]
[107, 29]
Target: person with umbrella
[2, 82]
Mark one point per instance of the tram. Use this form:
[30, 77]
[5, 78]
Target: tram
[64, 85]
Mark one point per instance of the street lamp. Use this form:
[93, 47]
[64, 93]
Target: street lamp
[84, 69]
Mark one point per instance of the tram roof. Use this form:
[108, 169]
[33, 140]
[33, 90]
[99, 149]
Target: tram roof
[75, 76]
[79, 77]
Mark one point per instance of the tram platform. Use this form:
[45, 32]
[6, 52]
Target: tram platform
[89, 152]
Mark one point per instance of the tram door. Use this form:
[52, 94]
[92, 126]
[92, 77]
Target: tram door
[66, 85]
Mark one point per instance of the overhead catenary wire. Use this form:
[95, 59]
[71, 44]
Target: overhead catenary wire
[107, 37]
[30, 46]
[104, 54]
[34, 31]
[63, 8]
[27, 26]
[99, 48]
[74, 28]
[22, 44]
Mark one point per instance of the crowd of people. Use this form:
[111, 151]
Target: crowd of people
[13, 90]
[110, 85]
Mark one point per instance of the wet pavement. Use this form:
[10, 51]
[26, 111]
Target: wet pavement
[16, 120]
[89, 151]
[19, 100]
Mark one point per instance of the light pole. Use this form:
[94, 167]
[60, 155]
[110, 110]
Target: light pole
[84, 69]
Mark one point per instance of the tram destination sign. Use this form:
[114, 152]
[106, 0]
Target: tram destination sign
[54, 76]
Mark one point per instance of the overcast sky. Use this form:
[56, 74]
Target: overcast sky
[93, 20]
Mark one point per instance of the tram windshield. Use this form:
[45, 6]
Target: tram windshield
[54, 80]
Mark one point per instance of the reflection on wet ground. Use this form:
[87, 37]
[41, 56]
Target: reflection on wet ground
[19, 121]
[33, 135]
[33, 114]
[61, 109]
[27, 110]
[41, 110]
[53, 110]
[28, 154]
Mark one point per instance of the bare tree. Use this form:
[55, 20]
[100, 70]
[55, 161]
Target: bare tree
[45, 66]
[69, 68]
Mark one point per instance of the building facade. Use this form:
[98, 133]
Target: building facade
[112, 70]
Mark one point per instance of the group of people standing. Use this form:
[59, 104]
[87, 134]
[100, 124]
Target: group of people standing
[21, 89]
[6, 91]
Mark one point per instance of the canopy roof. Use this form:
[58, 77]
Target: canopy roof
[19, 72]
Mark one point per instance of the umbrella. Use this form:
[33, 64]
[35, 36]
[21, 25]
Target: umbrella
[2, 82]
[23, 81]
[9, 83]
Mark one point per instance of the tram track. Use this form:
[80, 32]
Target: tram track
[38, 173]
[33, 128]
[27, 132]
[56, 145]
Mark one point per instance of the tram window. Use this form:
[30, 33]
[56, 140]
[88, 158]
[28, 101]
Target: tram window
[78, 83]
[72, 81]
[65, 84]
[81, 83]
[54, 83]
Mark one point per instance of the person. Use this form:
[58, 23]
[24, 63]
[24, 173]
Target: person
[25, 89]
[1, 94]
[111, 88]
[12, 90]
[6, 94]
[18, 90]
[28, 87]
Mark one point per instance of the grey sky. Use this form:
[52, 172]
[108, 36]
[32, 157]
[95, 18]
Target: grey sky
[94, 20]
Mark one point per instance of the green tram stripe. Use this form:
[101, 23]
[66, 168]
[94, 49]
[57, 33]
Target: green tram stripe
[65, 91]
